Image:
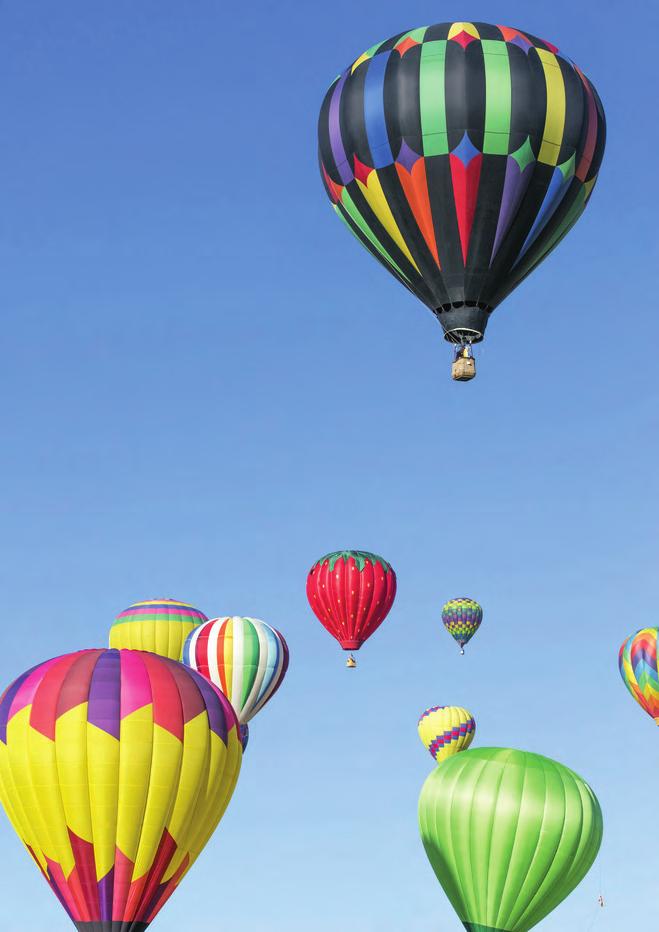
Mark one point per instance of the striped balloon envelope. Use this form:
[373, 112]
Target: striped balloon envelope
[459, 155]
[115, 769]
[637, 661]
[446, 730]
[156, 625]
[243, 657]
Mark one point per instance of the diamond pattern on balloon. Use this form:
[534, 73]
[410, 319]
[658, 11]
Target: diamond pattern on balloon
[465, 150]
[463, 38]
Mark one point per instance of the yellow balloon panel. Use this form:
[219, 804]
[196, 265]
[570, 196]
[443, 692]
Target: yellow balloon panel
[159, 626]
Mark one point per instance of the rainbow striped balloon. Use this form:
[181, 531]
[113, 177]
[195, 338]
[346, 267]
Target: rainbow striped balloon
[462, 618]
[244, 657]
[445, 730]
[637, 661]
[115, 769]
[159, 626]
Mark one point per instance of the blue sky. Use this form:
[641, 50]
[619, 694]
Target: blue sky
[206, 384]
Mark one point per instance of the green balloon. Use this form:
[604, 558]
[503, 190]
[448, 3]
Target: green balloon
[509, 835]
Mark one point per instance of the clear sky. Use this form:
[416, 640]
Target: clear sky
[206, 384]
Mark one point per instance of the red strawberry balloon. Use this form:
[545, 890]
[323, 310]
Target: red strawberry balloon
[351, 592]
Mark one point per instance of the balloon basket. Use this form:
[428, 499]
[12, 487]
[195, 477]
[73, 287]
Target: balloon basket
[351, 663]
[463, 369]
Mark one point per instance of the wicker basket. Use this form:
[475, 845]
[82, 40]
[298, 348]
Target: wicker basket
[463, 368]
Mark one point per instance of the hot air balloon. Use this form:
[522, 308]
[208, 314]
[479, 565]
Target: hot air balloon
[351, 592]
[637, 660]
[459, 155]
[157, 625]
[446, 730]
[115, 769]
[462, 618]
[243, 657]
[509, 835]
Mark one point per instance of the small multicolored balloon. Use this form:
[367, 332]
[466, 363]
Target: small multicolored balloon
[462, 618]
[159, 626]
[350, 593]
[637, 661]
[446, 730]
[243, 657]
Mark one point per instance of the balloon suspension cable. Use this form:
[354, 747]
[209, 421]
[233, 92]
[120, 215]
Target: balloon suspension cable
[463, 347]
[600, 899]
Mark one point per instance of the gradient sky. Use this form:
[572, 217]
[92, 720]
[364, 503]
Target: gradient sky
[206, 384]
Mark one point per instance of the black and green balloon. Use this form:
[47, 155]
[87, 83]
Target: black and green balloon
[460, 155]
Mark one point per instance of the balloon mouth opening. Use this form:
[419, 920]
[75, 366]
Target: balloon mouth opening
[463, 336]
[349, 645]
[464, 322]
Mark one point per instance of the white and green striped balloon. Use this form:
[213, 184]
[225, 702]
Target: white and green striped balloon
[243, 657]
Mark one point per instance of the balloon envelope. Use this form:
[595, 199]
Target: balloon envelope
[115, 769]
[637, 661]
[446, 730]
[243, 657]
[157, 625]
[462, 619]
[459, 155]
[509, 835]
[351, 592]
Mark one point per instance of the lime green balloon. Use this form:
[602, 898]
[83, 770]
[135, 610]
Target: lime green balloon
[509, 835]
